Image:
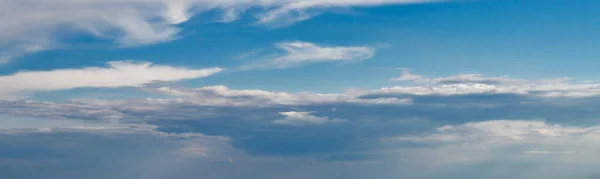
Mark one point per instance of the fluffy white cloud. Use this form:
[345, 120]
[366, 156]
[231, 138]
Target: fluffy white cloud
[301, 53]
[33, 25]
[300, 118]
[117, 74]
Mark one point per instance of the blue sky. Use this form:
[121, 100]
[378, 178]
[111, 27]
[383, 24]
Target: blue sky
[299, 89]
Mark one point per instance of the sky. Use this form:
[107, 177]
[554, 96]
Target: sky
[323, 89]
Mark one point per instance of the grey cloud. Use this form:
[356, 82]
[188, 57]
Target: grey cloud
[99, 155]
[449, 133]
[249, 117]
[505, 148]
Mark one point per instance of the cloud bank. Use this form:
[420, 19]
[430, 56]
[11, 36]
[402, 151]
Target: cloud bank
[467, 128]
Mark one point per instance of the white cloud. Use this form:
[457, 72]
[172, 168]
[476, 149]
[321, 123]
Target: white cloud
[479, 84]
[299, 118]
[223, 96]
[186, 102]
[515, 130]
[183, 103]
[407, 75]
[512, 137]
[548, 90]
[37, 23]
[117, 74]
[302, 53]
[290, 11]
[548, 150]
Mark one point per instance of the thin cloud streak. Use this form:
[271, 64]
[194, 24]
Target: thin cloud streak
[296, 54]
[116, 74]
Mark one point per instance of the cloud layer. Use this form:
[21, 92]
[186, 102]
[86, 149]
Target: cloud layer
[446, 129]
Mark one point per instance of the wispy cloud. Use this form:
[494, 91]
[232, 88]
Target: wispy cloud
[35, 23]
[290, 11]
[116, 74]
[6, 55]
[303, 53]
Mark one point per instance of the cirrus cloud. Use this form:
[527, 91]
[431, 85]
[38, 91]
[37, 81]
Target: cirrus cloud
[39, 23]
[303, 53]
